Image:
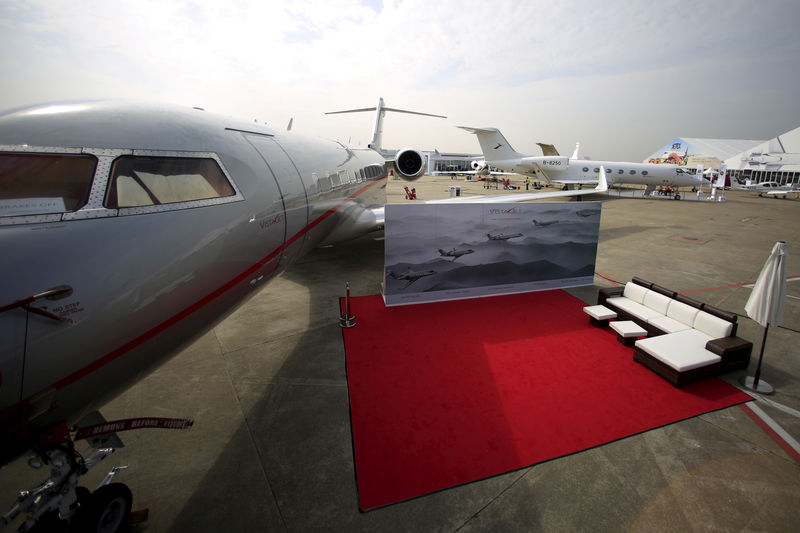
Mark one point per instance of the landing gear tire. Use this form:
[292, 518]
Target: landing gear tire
[677, 196]
[108, 509]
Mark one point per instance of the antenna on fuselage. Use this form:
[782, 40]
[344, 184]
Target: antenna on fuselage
[380, 111]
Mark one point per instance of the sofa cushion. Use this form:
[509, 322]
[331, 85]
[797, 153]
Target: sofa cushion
[712, 325]
[635, 292]
[667, 324]
[656, 302]
[632, 308]
[682, 312]
[684, 350]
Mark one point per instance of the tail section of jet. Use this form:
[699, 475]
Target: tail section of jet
[410, 163]
[493, 144]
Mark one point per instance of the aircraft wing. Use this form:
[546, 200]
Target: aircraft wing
[378, 215]
[602, 186]
[781, 192]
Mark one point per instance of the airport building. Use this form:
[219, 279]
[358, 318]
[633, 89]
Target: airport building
[439, 163]
[776, 160]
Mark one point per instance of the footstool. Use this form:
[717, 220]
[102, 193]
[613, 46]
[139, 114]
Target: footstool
[599, 315]
[628, 331]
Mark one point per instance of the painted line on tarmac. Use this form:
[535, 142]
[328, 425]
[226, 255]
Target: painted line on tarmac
[748, 284]
[774, 430]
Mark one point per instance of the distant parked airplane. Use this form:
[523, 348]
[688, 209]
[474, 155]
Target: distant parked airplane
[498, 153]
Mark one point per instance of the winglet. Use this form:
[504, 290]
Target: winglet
[602, 181]
[575, 153]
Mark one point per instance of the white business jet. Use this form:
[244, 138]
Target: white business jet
[570, 171]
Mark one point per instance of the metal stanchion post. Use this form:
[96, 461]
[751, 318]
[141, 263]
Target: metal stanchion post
[347, 320]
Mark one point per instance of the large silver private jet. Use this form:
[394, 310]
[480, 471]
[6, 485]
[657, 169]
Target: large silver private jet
[128, 230]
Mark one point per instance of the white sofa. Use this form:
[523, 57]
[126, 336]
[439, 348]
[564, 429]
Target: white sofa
[686, 342]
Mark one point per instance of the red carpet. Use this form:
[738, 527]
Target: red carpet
[446, 393]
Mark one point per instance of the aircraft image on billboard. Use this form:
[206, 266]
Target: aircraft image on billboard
[543, 224]
[455, 253]
[410, 275]
[503, 236]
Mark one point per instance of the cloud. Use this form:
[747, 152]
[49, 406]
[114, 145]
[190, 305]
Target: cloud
[620, 77]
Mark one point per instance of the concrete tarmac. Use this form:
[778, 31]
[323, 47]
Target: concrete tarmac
[271, 447]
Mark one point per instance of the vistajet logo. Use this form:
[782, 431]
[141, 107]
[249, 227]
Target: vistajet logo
[503, 211]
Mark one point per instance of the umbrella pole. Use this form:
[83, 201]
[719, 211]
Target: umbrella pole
[752, 383]
[760, 358]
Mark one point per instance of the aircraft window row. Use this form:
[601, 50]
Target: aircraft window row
[344, 177]
[44, 183]
[374, 171]
[611, 171]
[145, 180]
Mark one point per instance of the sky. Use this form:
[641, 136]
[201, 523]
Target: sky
[622, 78]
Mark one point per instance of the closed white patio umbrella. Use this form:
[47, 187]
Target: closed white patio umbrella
[766, 305]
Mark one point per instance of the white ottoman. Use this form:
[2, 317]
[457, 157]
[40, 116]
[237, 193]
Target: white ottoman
[599, 315]
[628, 331]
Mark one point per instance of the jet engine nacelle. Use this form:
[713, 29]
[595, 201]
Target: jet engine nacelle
[479, 165]
[409, 163]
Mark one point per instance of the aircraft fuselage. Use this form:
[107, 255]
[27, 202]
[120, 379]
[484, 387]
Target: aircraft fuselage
[156, 247]
[584, 171]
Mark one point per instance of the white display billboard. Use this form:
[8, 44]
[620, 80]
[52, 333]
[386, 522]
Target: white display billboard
[455, 251]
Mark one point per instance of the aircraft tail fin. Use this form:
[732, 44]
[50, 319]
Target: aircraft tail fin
[380, 112]
[493, 144]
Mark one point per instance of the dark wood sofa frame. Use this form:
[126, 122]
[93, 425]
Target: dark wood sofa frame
[734, 351]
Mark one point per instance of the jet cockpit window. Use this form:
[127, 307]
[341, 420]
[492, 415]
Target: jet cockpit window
[149, 180]
[36, 184]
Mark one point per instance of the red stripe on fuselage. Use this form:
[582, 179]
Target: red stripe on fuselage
[99, 363]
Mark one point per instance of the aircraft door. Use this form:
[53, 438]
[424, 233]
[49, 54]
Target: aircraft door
[12, 350]
[293, 192]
